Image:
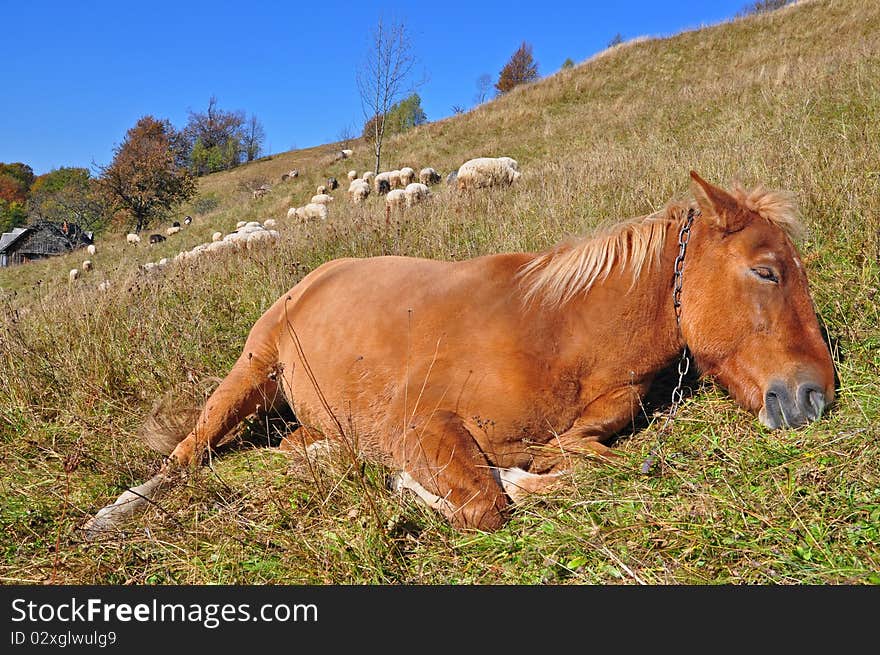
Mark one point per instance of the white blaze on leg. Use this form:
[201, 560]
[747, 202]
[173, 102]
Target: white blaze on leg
[319, 451]
[404, 480]
[519, 484]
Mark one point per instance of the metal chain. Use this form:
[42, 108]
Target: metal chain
[684, 363]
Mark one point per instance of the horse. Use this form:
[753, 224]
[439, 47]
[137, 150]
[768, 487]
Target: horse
[480, 381]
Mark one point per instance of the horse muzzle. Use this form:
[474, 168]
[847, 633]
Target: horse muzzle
[787, 407]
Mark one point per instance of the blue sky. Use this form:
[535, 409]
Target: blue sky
[74, 76]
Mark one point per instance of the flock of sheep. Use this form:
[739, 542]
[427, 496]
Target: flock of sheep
[399, 187]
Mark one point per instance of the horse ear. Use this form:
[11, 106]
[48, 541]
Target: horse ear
[721, 209]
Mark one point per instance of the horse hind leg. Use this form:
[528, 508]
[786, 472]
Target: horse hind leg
[249, 387]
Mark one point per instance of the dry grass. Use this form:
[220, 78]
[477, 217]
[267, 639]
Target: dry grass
[769, 98]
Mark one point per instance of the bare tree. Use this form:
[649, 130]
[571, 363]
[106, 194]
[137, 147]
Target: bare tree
[484, 85]
[382, 78]
[345, 136]
[253, 138]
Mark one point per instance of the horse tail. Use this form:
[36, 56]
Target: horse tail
[170, 420]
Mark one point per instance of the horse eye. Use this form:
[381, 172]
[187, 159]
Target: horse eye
[765, 273]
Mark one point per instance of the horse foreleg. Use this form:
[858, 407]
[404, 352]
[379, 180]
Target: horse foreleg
[602, 418]
[442, 463]
[519, 484]
[248, 388]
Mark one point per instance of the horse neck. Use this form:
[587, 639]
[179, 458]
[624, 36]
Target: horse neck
[632, 321]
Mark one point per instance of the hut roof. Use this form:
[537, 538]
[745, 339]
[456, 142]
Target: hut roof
[11, 237]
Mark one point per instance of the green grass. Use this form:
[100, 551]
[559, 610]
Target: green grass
[767, 99]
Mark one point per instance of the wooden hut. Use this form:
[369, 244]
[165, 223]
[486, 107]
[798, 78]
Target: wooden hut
[41, 240]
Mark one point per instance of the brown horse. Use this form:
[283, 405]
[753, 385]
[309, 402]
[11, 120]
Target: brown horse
[478, 380]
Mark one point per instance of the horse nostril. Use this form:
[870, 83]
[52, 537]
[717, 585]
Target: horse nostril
[773, 417]
[811, 399]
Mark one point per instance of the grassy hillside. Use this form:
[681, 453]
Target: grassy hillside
[790, 99]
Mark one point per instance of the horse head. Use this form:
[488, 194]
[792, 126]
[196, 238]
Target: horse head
[746, 310]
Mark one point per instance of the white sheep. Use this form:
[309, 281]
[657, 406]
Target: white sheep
[510, 162]
[104, 286]
[322, 189]
[407, 176]
[87, 265]
[270, 222]
[219, 245]
[486, 172]
[91, 249]
[352, 175]
[260, 235]
[216, 236]
[322, 198]
[172, 230]
[359, 191]
[382, 182]
[347, 152]
[395, 198]
[429, 176]
[132, 238]
[368, 176]
[240, 224]
[313, 210]
[73, 275]
[394, 179]
[416, 192]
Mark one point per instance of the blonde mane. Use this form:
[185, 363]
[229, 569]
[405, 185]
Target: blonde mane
[571, 268]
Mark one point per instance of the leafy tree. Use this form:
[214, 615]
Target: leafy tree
[218, 140]
[382, 78]
[12, 214]
[17, 180]
[617, 39]
[568, 63]
[147, 176]
[403, 115]
[15, 183]
[68, 194]
[406, 114]
[520, 68]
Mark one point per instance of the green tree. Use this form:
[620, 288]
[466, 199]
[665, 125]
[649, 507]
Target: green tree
[406, 114]
[402, 116]
[520, 68]
[15, 183]
[12, 214]
[147, 176]
[68, 194]
[217, 140]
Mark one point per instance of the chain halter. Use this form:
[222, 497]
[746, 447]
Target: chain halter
[684, 363]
